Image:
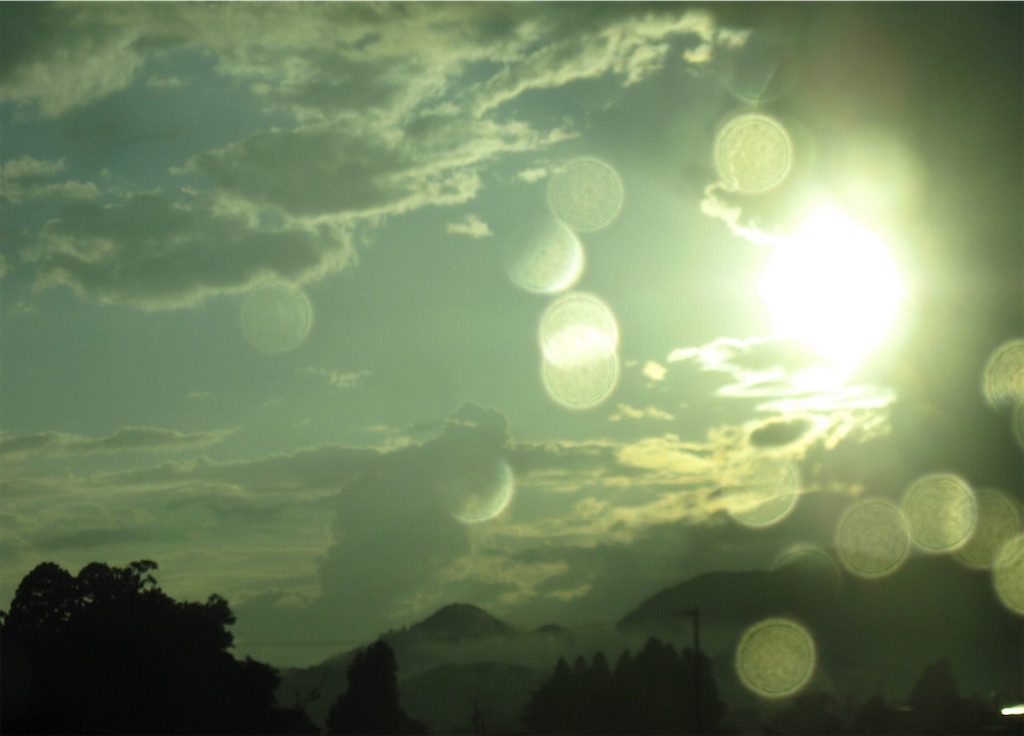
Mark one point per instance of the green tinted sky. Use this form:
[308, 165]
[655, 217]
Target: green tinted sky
[162, 163]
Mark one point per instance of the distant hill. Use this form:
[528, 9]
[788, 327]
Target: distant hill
[459, 621]
[456, 635]
[869, 633]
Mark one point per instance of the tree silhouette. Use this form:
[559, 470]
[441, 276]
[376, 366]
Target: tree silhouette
[107, 651]
[650, 693]
[370, 704]
[938, 707]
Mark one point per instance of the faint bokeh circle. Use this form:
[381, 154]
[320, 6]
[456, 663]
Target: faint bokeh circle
[547, 260]
[872, 538]
[941, 512]
[1008, 574]
[1004, 375]
[477, 490]
[276, 318]
[587, 194]
[761, 491]
[999, 520]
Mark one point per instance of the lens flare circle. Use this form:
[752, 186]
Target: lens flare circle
[753, 153]
[478, 492]
[549, 260]
[1000, 518]
[579, 338]
[276, 318]
[761, 491]
[1008, 574]
[575, 326]
[587, 194]
[941, 512]
[584, 384]
[1004, 375]
[776, 658]
[872, 538]
[833, 287]
[811, 567]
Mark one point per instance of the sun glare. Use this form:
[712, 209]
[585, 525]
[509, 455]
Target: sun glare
[833, 287]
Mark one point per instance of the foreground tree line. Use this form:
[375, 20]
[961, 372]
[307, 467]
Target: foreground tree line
[108, 652]
[654, 692]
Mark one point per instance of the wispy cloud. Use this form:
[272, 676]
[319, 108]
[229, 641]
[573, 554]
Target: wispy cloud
[26, 179]
[126, 439]
[192, 250]
[470, 225]
[625, 411]
[338, 380]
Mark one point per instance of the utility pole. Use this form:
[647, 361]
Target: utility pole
[695, 613]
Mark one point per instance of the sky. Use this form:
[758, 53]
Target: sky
[347, 311]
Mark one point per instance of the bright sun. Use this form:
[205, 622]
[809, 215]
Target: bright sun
[833, 287]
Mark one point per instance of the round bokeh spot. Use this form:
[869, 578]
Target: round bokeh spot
[761, 491]
[582, 384]
[776, 658]
[579, 339]
[812, 569]
[547, 260]
[941, 512]
[576, 326]
[1004, 375]
[1008, 574]
[276, 318]
[587, 194]
[872, 538]
[477, 491]
[753, 153]
[999, 520]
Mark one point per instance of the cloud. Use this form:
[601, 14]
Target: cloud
[335, 170]
[310, 472]
[338, 380]
[58, 58]
[168, 82]
[152, 253]
[760, 367]
[625, 411]
[780, 432]
[126, 439]
[26, 179]
[631, 47]
[472, 226]
[654, 370]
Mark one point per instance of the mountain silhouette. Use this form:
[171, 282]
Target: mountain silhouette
[459, 621]
[454, 636]
[869, 634]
